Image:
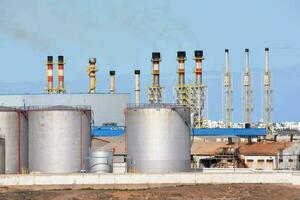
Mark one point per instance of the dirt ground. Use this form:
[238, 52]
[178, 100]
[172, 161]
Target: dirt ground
[195, 192]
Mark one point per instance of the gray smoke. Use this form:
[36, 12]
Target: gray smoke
[45, 25]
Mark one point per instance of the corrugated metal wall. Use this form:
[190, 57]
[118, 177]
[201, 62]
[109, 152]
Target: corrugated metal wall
[107, 108]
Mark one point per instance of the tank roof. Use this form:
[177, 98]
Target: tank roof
[9, 109]
[58, 107]
[155, 105]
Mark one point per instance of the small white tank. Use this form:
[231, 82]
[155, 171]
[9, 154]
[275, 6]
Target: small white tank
[101, 161]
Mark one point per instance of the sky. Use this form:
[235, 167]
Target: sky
[123, 34]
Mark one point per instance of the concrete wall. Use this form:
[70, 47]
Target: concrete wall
[261, 162]
[212, 177]
[290, 158]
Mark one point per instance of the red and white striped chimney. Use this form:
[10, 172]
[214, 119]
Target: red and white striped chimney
[60, 63]
[50, 74]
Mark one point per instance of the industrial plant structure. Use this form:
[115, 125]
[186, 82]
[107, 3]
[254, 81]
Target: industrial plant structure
[193, 95]
[52, 132]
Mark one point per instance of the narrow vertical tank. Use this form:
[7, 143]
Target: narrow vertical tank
[2, 156]
[13, 127]
[158, 138]
[101, 161]
[59, 139]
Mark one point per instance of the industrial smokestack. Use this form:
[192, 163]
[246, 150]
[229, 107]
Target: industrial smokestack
[137, 87]
[112, 81]
[198, 68]
[50, 74]
[181, 58]
[246, 60]
[228, 108]
[60, 63]
[266, 59]
[155, 90]
[227, 61]
[155, 68]
[267, 91]
[92, 74]
[247, 93]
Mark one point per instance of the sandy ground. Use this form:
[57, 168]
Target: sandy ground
[195, 192]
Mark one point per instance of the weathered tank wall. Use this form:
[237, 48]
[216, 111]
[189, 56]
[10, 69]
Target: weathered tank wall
[158, 139]
[59, 140]
[2, 156]
[13, 126]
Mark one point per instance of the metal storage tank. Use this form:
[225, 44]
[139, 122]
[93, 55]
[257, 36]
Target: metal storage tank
[13, 126]
[59, 139]
[158, 138]
[2, 156]
[101, 161]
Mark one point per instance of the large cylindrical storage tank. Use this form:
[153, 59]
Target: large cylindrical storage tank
[13, 127]
[2, 156]
[101, 161]
[158, 138]
[59, 139]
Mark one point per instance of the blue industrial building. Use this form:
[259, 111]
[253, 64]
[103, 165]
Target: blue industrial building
[103, 131]
[239, 132]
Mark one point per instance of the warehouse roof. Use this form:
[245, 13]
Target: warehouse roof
[207, 148]
[116, 143]
[263, 148]
[267, 148]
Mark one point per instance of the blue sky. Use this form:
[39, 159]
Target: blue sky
[122, 34]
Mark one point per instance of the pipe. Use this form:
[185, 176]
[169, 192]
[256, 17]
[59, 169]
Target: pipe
[227, 78]
[137, 87]
[50, 74]
[227, 61]
[249, 140]
[112, 86]
[198, 68]
[60, 63]
[181, 58]
[155, 68]
[92, 74]
[267, 74]
[266, 59]
[247, 60]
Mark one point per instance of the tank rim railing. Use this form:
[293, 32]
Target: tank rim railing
[154, 105]
[10, 108]
[58, 108]
[44, 108]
